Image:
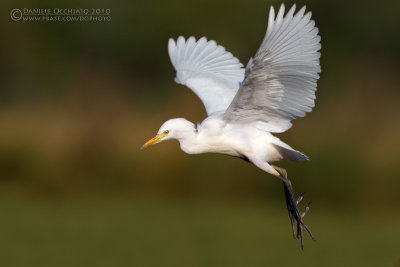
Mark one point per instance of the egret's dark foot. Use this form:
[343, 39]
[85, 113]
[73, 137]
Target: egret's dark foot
[295, 216]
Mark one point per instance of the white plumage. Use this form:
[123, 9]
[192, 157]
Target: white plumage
[212, 73]
[245, 106]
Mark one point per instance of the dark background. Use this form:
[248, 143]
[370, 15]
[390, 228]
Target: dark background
[78, 99]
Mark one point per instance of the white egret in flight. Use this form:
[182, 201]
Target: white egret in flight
[246, 105]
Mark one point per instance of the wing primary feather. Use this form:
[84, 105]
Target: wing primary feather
[172, 50]
[271, 20]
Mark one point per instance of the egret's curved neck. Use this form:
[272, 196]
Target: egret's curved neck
[202, 140]
[189, 142]
[188, 138]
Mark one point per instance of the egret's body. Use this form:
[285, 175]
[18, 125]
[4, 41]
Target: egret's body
[246, 105]
[214, 135]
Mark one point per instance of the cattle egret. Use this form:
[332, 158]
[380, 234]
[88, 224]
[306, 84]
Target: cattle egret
[245, 105]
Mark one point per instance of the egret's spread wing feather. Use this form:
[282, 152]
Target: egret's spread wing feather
[211, 72]
[281, 81]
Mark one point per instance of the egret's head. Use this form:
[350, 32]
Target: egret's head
[171, 129]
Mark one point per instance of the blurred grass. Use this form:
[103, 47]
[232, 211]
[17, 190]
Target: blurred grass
[152, 231]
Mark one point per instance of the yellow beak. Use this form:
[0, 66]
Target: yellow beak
[154, 140]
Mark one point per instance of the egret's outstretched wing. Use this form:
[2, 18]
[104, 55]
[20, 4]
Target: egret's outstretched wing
[212, 73]
[281, 81]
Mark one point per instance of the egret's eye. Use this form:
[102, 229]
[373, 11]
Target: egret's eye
[166, 132]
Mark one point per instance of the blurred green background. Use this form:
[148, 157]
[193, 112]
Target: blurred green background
[78, 99]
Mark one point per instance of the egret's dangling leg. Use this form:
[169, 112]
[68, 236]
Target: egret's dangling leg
[292, 207]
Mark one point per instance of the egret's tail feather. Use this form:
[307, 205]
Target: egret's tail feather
[292, 155]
